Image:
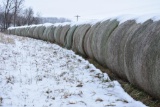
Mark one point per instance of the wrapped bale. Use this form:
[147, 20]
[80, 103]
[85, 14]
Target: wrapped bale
[148, 60]
[74, 38]
[57, 33]
[113, 55]
[50, 33]
[88, 40]
[78, 38]
[100, 38]
[17, 31]
[144, 57]
[45, 33]
[8, 31]
[130, 52]
[40, 32]
[30, 31]
[99, 30]
[36, 32]
[23, 31]
[13, 30]
[63, 34]
[26, 31]
[69, 37]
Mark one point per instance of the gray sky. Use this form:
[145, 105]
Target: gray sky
[92, 9]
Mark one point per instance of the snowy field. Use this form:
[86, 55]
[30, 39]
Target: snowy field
[34, 73]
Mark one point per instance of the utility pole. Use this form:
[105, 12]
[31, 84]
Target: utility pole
[77, 17]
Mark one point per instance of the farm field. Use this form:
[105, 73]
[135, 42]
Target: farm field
[35, 73]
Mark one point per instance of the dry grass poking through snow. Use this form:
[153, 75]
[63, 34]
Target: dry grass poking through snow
[34, 73]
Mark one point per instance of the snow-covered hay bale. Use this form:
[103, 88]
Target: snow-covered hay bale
[45, 33]
[148, 60]
[9, 31]
[57, 33]
[100, 38]
[69, 37]
[35, 32]
[23, 31]
[78, 38]
[50, 33]
[40, 32]
[17, 31]
[63, 34]
[88, 40]
[113, 54]
[31, 30]
[135, 56]
[132, 50]
[26, 31]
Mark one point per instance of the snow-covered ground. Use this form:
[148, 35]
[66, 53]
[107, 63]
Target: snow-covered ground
[34, 73]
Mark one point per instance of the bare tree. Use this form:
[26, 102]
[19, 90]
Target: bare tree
[29, 17]
[17, 8]
[8, 12]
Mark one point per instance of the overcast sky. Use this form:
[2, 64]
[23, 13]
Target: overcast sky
[92, 9]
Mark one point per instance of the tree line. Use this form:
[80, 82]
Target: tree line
[13, 13]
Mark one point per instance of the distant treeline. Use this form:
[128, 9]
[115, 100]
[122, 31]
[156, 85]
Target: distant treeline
[14, 13]
[53, 20]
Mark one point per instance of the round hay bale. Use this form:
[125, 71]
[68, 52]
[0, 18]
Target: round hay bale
[35, 32]
[69, 37]
[50, 33]
[23, 31]
[45, 33]
[17, 31]
[100, 30]
[57, 33]
[9, 31]
[79, 38]
[13, 31]
[148, 60]
[101, 35]
[132, 51]
[145, 58]
[26, 31]
[40, 32]
[74, 38]
[112, 53]
[30, 31]
[88, 40]
[63, 34]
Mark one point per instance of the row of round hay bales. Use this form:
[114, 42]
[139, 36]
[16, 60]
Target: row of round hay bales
[131, 50]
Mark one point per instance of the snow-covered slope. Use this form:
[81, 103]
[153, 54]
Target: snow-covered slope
[34, 73]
